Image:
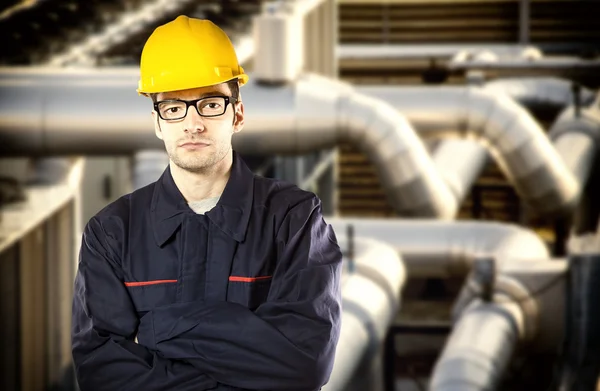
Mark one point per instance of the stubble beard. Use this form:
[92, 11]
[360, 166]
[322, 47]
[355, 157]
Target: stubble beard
[203, 161]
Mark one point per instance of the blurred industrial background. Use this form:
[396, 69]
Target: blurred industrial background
[454, 144]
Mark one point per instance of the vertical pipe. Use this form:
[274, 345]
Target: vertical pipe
[524, 19]
[581, 360]
[334, 37]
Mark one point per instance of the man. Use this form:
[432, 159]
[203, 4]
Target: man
[210, 278]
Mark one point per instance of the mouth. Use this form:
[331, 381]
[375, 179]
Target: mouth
[193, 145]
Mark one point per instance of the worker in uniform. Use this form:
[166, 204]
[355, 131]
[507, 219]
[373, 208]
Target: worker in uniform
[210, 278]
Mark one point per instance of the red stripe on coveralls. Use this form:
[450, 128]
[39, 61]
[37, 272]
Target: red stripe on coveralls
[248, 279]
[143, 283]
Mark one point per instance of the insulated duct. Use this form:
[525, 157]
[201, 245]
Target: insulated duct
[460, 173]
[403, 52]
[522, 302]
[370, 301]
[576, 135]
[546, 92]
[479, 348]
[555, 63]
[516, 141]
[446, 249]
[54, 112]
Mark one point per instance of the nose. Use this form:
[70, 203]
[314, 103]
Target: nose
[193, 122]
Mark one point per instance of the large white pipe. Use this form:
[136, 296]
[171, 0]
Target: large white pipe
[407, 51]
[516, 141]
[539, 91]
[576, 135]
[528, 305]
[53, 112]
[519, 63]
[370, 301]
[479, 349]
[432, 248]
[460, 163]
[577, 150]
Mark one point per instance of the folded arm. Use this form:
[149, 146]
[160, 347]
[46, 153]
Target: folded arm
[289, 342]
[104, 325]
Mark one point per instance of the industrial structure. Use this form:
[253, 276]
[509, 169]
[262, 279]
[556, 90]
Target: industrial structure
[454, 145]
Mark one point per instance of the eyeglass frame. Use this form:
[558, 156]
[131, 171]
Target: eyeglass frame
[228, 100]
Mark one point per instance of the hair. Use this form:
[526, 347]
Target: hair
[233, 84]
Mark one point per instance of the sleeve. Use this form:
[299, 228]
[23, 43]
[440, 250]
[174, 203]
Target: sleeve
[104, 323]
[289, 342]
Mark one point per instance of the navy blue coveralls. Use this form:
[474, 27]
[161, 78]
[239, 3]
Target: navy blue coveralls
[244, 297]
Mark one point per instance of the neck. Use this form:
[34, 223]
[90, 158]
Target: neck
[197, 186]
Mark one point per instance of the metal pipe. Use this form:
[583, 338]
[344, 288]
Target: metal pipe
[517, 142]
[401, 51]
[546, 92]
[460, 163]
[527, 305]
[479, 348]
[576, 136]
[578, 151]
[59, 112]
[388, 139]
[555, 63]
[446, 249]
[148, 166]
[524, 21]
[370, 301]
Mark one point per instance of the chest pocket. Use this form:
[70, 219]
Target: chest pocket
[151, 294]
[250, 292]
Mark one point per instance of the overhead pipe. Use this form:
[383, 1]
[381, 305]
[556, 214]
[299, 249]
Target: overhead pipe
[460, 163]
[548, 93]
[554, 63]
[89, 112]
[576, 136]
[403, 52]
[516, 141]
[448, 249]
[371, 293]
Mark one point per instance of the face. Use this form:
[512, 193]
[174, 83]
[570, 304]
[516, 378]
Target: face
[195, 143]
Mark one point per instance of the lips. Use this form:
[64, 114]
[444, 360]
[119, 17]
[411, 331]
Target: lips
[193, 144]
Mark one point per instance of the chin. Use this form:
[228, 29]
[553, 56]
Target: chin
[193, 164]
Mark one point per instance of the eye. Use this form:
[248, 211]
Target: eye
[211, 105]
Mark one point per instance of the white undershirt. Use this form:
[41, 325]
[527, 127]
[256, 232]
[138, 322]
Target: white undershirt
[204, 205]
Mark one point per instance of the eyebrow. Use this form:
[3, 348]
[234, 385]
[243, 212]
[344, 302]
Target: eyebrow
[204, 95]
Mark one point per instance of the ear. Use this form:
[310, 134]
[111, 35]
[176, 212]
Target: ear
[238, 124]
[157, 130]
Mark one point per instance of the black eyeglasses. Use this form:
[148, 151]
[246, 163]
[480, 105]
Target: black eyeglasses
[209, 106]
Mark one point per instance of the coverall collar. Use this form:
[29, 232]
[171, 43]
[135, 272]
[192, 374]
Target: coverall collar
[231, 214]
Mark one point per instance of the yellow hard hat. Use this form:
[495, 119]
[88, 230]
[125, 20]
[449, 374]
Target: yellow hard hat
[187, 53]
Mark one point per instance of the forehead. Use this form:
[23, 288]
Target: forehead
[195, 93]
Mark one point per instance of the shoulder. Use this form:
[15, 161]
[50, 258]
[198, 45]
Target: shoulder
[114, 218]
[281, 198]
